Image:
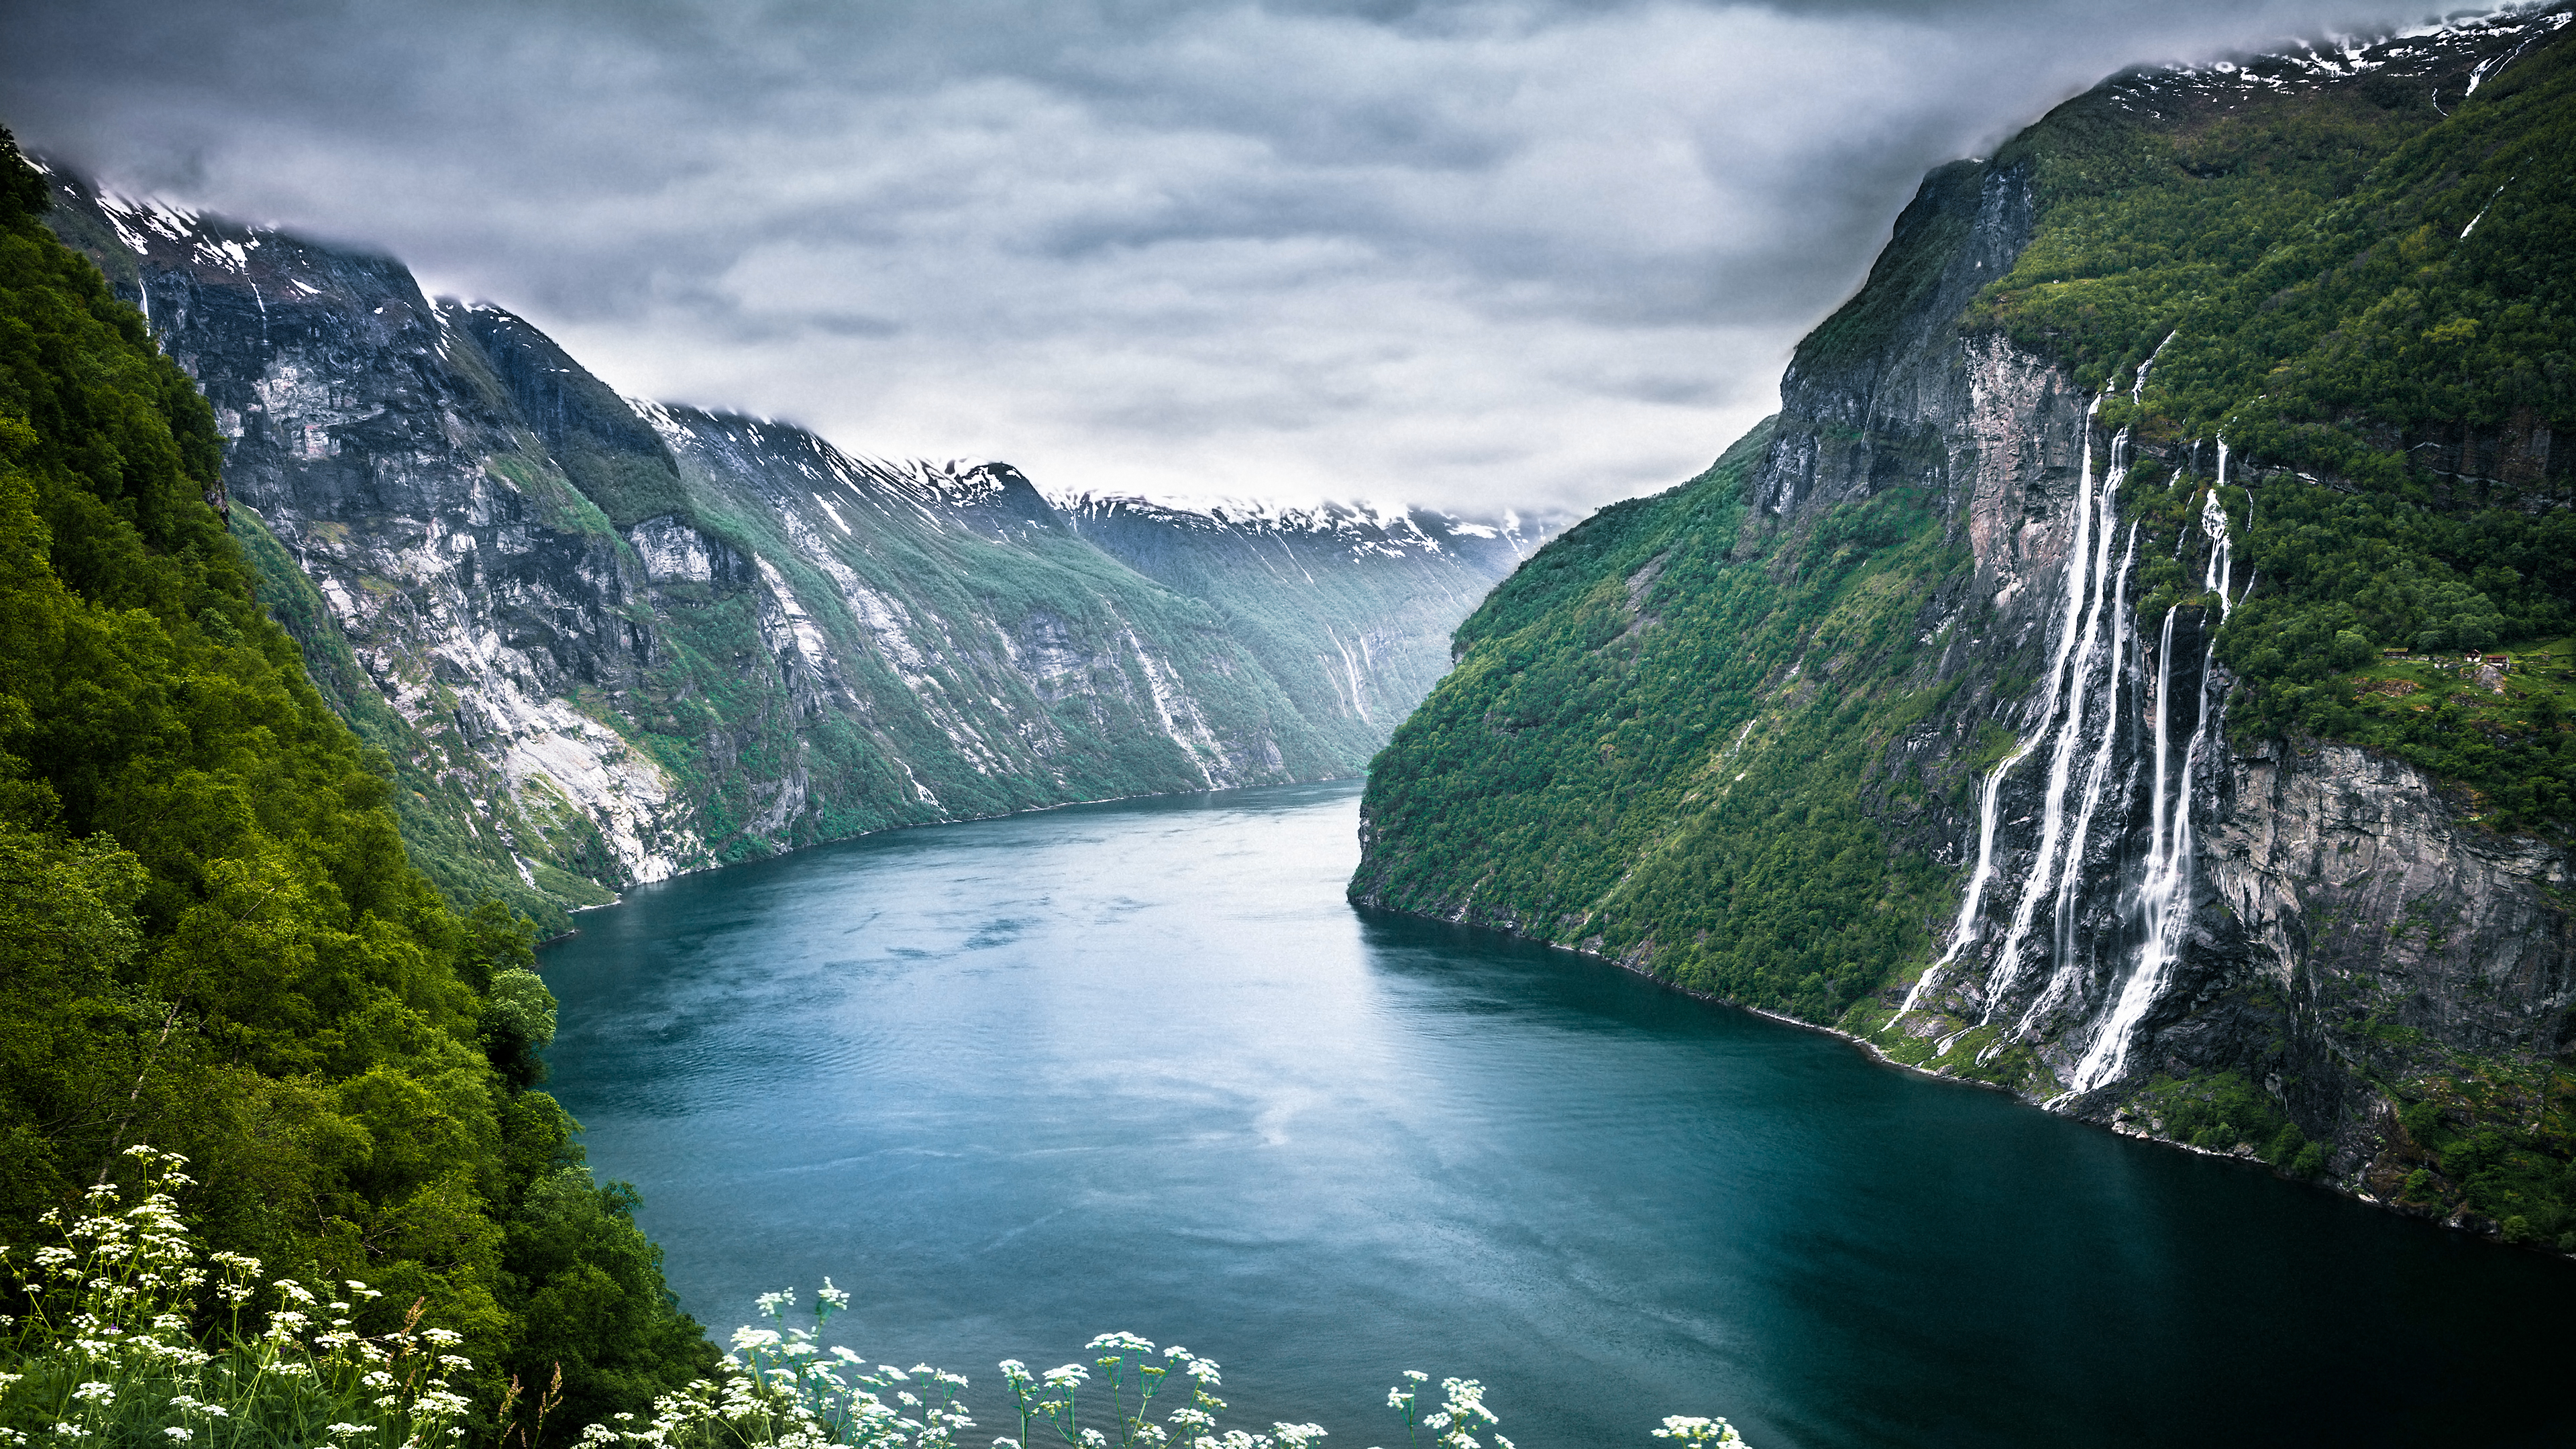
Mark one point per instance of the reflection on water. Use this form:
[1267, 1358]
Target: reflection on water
[1140, 1067]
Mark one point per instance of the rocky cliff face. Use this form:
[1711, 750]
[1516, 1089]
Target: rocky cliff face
[603, 641]
[1986, 752]
[2145, 899]
[1351, 645]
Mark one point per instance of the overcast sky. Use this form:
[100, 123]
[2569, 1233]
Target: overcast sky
[1476, 255]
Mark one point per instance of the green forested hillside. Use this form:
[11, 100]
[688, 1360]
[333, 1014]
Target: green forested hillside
[2350, 283]
[210, 937]
[1652, 735]
[2297, 254]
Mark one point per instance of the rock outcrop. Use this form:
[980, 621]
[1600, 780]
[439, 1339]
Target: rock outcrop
[601, 641]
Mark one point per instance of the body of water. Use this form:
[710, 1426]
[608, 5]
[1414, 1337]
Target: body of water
[1141, 1067]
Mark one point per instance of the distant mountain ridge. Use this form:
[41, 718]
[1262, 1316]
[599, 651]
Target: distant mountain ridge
[603, 640]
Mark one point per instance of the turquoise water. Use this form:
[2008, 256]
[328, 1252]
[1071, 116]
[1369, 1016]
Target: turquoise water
[1139, 1066]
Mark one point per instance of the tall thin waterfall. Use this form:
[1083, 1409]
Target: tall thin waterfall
[2099, 776]
[2070, 883]
[2081, 720]
[1970, 906]
[2164, 896]
[2094, 587]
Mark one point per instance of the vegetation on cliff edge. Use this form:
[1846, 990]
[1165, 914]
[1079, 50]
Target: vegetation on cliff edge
[1651, 744]
[210, 935]
[2374, 303]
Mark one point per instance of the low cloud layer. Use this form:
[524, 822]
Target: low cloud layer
[1478, 255]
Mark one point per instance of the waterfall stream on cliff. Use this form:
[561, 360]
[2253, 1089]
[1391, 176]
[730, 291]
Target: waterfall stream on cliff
[1971, 906]
[2164, 896]
[2081, 723]
[2090, 583]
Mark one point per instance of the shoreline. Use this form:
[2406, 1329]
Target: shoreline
[1879, 1056]
[930, 824]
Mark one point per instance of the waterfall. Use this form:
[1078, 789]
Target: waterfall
[2092, 586]
[1966, 929]
[2081, 722]
[2100, 774]
[1965, 932]
[2164, 897]
[2138, 385]
[2070, 885]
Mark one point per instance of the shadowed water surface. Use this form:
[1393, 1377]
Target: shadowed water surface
[1140, 1067]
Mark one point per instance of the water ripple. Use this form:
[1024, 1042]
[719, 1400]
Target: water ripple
[1139, 1066]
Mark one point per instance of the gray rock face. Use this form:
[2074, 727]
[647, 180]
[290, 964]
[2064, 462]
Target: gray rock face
[2139, 900]
[2391, 939]
[602, 641]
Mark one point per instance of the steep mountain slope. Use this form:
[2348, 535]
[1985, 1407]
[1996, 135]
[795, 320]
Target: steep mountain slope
[2016, 700]
[1312, 593]
[210, 938]
[603, 641]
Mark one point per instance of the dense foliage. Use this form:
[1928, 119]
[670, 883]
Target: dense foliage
[2223, 1112]
[135, 1333]
[2346, 284]
[1652, 736]
[2309, 252]
[2516, 1170]
[210, 935]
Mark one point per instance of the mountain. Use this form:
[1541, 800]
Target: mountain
[1344, 586]
[2070, 689]
[600, 641]
[212, 940]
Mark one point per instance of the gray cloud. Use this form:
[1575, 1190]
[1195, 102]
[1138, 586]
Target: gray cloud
[1524, 252]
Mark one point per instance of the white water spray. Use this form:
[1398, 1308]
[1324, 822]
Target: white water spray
[2138, 384]
[2071, 883]
[2164, 897]
[2090, 583]
[2100, 773]
[1965, 932]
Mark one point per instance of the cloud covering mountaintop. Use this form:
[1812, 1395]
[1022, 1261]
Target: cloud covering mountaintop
[1476, 255]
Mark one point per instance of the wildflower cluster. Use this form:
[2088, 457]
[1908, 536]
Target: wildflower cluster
[1463, 1410]
[110, 1350]
[1698, 1431]
[1132, 1373]
[780, 1389]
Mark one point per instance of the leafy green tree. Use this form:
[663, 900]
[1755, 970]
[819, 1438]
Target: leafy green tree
[210, 935]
